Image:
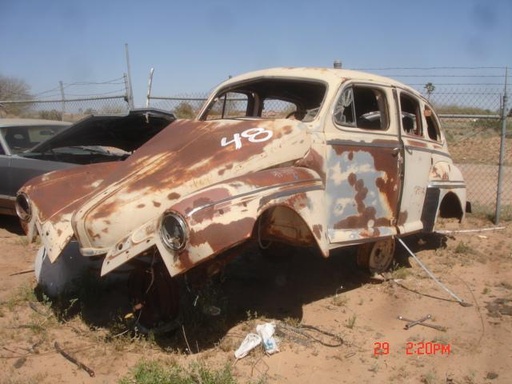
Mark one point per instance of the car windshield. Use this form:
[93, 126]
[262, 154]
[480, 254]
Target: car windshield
[22, 138]
[268, 98]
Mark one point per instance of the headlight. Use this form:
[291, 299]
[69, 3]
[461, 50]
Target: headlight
[173, 231]
[23, 209]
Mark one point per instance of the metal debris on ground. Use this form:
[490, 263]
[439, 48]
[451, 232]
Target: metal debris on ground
[459, 300]
[422, 321]
[70, 358]
[306, 334]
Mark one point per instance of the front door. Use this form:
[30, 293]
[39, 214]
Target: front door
[363, 165]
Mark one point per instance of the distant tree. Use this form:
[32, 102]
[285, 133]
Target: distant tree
[184, 111]
[112, 110]
[430, 88]
[90, 111]
[13, 91]
[51, 115]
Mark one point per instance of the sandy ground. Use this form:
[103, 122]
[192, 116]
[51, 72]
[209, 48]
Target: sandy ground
[335, 323]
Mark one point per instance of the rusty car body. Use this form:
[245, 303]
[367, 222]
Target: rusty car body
[317, 157]
[32, 147]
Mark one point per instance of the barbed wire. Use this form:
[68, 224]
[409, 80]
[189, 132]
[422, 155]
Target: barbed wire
[57, 91]
[429, 68]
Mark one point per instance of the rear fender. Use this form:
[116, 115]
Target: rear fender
[445, 196]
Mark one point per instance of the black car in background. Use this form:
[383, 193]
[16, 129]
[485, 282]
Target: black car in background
[31, 147]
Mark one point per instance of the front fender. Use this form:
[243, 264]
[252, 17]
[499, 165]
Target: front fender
[223, 215]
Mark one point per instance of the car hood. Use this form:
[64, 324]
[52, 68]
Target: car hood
[126, 132]
[185, 157]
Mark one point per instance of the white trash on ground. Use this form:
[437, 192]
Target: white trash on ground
[251, 341]
[266, 331]
[265, 334]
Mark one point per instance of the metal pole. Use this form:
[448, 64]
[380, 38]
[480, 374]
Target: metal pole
[501, 164]
[150, 83]
[63, 105]
[127, 89]
[130, 90]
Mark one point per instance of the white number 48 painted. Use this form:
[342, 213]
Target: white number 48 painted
[254, 135]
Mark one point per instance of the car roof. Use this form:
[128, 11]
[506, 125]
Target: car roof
[328, 75]
[15, 122]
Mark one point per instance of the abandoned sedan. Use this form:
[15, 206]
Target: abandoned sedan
[17, 136]
[315, 157]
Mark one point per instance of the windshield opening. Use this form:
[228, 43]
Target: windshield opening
[269, 99]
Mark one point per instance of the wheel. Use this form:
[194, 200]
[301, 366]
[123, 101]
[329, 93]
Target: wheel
[156, 298]
[377, 256]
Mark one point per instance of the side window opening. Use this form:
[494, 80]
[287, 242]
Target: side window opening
[231, 105]
[362, 107]
[432, 125]
[411, 116]
[344, 112]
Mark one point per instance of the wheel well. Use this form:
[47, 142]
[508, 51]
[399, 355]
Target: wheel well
[451, 207]
[283, 224]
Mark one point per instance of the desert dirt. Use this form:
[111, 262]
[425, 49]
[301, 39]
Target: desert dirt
[335, 323]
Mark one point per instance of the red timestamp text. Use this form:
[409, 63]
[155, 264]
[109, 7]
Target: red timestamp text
[381, 348]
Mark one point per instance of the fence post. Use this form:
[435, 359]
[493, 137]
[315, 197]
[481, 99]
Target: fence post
[150, 83]
[63, 106]
[501, 163]
[129, 90]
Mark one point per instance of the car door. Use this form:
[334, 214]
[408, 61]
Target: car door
[419, 138]
[363, 164]
[4, 167]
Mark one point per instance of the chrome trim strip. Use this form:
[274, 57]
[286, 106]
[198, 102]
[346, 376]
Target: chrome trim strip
[318, 182]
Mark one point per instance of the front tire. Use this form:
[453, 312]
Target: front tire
[376, 256]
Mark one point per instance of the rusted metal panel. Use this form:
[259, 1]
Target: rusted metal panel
[363, 187]
[187, 163]
[223, 215]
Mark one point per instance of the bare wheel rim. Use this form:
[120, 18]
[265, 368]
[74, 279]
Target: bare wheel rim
[377, 256]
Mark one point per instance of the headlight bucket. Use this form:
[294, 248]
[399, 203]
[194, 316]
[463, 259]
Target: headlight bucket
[23, 207]
[173, 231]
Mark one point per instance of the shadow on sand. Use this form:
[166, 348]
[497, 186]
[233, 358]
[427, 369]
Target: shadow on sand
[251, 285]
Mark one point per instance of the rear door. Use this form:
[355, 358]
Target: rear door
[421, 138]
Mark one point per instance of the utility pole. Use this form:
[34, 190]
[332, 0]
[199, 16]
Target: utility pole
[129, 89]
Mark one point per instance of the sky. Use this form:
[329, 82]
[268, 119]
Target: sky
[195, 44]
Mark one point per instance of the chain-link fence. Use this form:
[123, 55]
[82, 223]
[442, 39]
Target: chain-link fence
[183, 106]
[65, 110]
